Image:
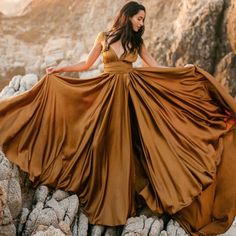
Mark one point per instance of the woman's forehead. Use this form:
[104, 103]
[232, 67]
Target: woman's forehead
[141, 13]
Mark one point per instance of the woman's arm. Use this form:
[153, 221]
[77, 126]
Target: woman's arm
[83, 65]
[147, 58]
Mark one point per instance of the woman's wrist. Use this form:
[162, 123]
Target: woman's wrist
[60, 69]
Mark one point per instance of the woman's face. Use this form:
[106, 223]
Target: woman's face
[138, 20]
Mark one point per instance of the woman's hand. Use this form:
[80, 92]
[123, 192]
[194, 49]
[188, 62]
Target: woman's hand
[51, 70]
[188, 65]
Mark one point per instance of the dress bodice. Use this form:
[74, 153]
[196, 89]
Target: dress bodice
[109, 54]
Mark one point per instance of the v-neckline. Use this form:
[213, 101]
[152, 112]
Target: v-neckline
[114, 51]
[118, 57]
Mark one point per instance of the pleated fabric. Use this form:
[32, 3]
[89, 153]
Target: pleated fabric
[166, 134]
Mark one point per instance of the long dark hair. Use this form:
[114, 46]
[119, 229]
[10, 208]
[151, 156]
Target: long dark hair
[122, 28]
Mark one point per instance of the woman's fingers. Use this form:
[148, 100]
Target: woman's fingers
[188, 65]
[49, 70]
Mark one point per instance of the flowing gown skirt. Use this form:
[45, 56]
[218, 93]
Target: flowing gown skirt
[162, 133]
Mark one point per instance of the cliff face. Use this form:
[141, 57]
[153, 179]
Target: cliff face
[53, 32]
[177, 33]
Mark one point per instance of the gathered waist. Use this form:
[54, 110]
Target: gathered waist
[118, 66]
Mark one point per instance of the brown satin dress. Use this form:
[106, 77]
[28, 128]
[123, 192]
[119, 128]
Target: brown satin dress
[161, 133]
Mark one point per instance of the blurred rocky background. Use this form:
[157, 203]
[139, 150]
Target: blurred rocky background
[41, 33]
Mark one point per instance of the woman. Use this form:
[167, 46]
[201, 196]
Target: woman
[166, 135]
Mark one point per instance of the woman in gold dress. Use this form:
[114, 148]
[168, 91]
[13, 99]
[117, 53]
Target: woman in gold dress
[166, 135]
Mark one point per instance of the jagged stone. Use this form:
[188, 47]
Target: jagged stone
[75, 227]
[7, 217]
[97, 230]
[3, 201]
[70, 205]
[15, 82]
[14, 197]
[225, 71]
[28, 81]
[143, 225]
[231, 24]
[174, 229]
[7, 92]
[53, 204]
[41, 193]
[156, 227]
[82, 225]
[23, 218]
[48, 231]
[111, 231]
[65, 228]
[5, 167]
[60, 195]
[163, 233]
[32, 219]
[134, 226]
[8, 230]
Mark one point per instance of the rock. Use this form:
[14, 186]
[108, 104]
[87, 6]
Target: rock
[53, 204]
[3, 201]
[97, 230]
[48, 231]
[174, 229]
[231, 25]
[19, 84]
[28, 81]
[75, 227]
[89, 74]
[225, 71]
[189, 46]
[8, 230]
[15, 82]
[82, 225]
[177, 33]
[14, 197]
[7, 92]
[60, 195]
[65, 228]
[112, 231]
[163, 233]
[50, 61]
[134, 226]
[32, 219]
[10, 196]
[7, 218]
[78, 49]
[70, 205]
[143, 225]
[5, 167]
[156, 227]
[41, 194]
[55, 44]
[23, 218]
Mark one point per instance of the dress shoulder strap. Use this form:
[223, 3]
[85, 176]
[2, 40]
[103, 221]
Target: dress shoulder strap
[106, 41]
[100, 37]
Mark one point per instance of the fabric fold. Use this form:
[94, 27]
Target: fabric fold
[161, 133]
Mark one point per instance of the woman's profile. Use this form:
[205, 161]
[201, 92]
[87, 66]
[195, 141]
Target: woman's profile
[165, 135]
